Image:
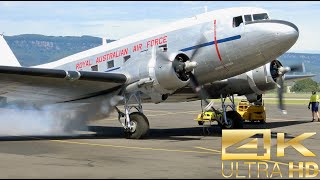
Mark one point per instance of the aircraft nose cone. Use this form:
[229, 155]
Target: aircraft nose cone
[272, 38]
[287, 33]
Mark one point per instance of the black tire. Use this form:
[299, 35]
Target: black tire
[262, 121]
[235, 120]
[142, 126]
[200, 123]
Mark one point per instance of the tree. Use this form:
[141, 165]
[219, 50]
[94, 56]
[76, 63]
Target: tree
[305, 85]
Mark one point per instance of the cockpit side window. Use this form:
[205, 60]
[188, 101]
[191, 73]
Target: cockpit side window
[248, 18]
[237, 21]
[261, 16]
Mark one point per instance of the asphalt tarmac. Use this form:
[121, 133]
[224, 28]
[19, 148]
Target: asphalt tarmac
[177, 147]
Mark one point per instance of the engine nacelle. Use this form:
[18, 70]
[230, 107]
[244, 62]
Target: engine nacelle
[160, 77]
[166, 75]
[256, 81]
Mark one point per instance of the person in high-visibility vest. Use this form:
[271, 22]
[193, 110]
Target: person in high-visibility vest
[314, 101]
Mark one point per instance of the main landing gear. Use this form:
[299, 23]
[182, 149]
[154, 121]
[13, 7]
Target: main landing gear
[230, 119]
[136, 124]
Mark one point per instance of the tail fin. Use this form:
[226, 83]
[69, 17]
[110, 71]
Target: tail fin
[7, 58]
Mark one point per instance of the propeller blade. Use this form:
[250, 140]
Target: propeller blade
[197, 88]
[297, 68]
[292, 68]
[184, 69]
[280, 82]
[200, 41]
[191, 64]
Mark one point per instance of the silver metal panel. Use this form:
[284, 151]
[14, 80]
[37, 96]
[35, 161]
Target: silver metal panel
[47, 90]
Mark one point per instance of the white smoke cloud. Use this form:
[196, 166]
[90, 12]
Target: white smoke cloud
[20, 119]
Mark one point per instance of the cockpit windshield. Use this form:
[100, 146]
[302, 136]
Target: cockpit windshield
[248, 18]
[237, 21]
[261, 16]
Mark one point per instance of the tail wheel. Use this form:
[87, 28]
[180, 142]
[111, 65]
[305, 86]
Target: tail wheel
[140, 126]
[235, 119]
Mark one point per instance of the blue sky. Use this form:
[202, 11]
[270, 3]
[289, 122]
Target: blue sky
[114, 19]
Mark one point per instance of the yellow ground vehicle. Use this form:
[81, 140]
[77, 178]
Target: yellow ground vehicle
[251, 112]
[207, 116]
[226, 119]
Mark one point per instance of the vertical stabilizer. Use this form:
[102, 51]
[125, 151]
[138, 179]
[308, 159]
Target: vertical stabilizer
[7, 58]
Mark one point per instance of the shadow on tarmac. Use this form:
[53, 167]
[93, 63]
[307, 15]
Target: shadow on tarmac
[179, 134]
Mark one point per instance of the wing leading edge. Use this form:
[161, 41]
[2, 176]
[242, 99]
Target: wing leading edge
[55, 85]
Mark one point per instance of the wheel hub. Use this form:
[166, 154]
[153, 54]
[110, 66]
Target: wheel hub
[228, 124]
[133, 126]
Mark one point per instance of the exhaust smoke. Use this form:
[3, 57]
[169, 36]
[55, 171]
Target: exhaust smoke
[21, 119]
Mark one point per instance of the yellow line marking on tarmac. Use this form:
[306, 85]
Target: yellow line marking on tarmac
[217, 151]
[131, 147]
[124, 147]
[282, 163]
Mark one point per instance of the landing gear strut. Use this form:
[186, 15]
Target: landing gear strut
[232, 119]
[226, 119]
[135, 124]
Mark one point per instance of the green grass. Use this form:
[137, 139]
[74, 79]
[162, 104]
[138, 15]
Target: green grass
[289, 95]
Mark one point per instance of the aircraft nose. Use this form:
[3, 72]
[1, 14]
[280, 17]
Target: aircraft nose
[278, 37]
[287, 33]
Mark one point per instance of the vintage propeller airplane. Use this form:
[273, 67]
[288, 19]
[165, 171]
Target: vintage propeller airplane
[211, 55]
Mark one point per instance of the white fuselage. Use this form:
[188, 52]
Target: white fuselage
[224, 49]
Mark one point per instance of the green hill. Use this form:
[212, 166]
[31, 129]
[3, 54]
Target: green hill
[33, 49]
[311, 62]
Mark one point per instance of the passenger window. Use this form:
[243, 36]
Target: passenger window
[248, 18]
[261, 16]
[126, 58]
[164, 48]
[110, 64]
[237, 21]
[94, 68]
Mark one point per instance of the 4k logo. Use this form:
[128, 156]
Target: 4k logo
[232, 137]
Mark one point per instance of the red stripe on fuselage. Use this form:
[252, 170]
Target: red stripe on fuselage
[216, 44]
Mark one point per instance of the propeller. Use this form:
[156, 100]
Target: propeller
[279, 75]
[191, 64]
[184, 68]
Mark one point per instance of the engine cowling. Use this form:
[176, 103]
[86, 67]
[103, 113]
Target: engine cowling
[167, 72]
[162, 76]
[254, 82]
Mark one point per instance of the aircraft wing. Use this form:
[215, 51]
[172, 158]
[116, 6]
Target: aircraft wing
[39, 85]
[291, 77]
